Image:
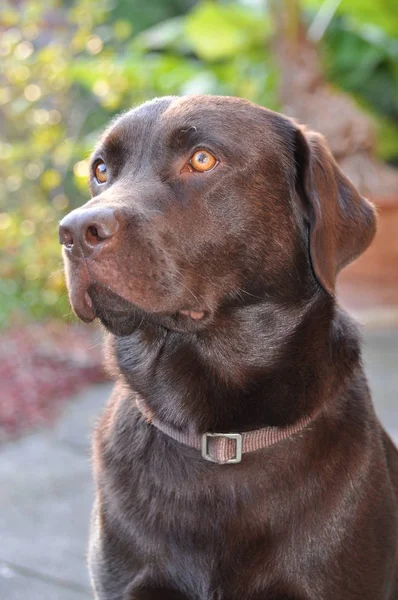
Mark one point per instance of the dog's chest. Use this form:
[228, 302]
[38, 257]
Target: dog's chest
[186, 519]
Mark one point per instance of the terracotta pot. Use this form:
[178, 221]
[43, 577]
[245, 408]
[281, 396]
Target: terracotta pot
[369, 286]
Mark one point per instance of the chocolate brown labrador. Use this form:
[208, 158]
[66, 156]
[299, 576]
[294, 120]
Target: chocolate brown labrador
[209, 252]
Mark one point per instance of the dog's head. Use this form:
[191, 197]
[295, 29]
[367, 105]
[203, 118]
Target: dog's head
[201, 202]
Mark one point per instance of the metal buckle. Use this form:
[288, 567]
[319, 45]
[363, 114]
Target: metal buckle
[231, 436]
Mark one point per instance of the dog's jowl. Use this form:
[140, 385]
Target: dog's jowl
[239, 456]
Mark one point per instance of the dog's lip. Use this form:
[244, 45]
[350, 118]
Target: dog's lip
[88, 300]
[196, 315]
[190, 314]
[78, 281]
[83, 307]
[88, 307]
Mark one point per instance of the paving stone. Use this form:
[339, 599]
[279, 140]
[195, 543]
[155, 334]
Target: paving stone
[80, 416]
[17, 586]
[380, 353]
[46, 495]
[45, 498]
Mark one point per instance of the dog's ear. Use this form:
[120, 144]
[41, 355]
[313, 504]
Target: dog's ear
[341, 222]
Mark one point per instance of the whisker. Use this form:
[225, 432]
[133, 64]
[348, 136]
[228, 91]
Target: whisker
[54, 273]
[242, 291]
[178, 272]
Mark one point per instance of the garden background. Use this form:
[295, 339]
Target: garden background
[68, 66]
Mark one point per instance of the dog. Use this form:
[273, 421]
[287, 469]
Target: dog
[239, 456]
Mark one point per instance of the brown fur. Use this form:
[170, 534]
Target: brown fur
[256, 244]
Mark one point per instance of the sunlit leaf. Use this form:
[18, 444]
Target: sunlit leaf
[219, 31]
[51, 179]
[122, 29]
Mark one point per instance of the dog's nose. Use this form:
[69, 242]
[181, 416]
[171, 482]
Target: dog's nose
[88, 228]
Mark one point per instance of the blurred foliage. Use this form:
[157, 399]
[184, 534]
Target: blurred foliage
[67, 67]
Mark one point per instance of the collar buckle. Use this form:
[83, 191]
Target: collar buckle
[236, 437]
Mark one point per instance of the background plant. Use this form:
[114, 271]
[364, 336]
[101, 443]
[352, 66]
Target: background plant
[68, 67]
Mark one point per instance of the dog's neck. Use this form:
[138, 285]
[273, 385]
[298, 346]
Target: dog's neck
[258, 366]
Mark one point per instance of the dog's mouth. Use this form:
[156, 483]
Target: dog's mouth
[89, 306]
[91, 299]
[123, 317]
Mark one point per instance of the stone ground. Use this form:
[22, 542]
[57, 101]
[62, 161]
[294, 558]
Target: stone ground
[46, 489]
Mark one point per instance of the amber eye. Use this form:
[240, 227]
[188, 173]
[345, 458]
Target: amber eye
[203, 160]
[100, 171]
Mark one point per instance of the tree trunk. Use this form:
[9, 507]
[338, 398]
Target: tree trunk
[307, 97]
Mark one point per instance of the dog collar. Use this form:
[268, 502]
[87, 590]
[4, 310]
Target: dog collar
[225, 448]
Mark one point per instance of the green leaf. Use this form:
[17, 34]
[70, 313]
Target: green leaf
[220, 31]
[377, 13]
[162, 36]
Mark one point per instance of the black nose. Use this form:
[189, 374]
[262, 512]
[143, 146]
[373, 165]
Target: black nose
[88, 228]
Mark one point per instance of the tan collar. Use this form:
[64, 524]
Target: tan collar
[226, 448]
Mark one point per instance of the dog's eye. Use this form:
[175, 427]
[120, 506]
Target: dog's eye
[203, 160]
[100, 171]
